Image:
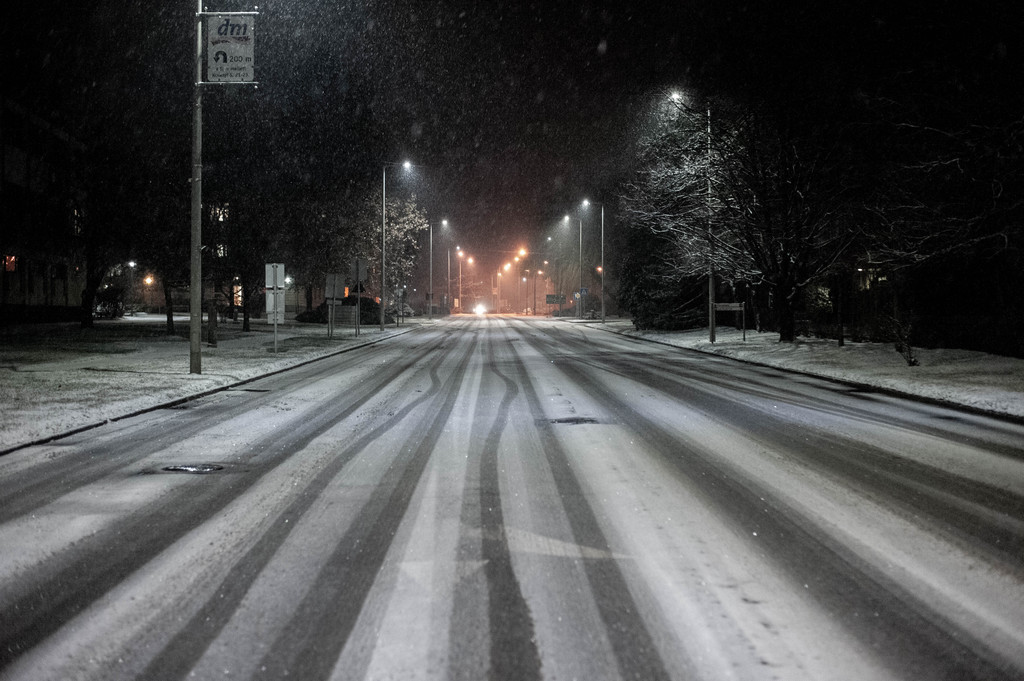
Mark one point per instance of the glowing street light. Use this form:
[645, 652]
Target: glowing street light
[579, 301]
[462, 255]
[430, 288]
[383, 227]
[601, 266]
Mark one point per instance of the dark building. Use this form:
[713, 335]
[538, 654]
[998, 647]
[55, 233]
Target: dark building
[40, 218]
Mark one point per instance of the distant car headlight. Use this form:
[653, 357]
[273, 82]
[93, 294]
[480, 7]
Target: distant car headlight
[480, 309]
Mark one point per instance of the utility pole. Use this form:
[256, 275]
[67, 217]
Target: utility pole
[195, 305]
[711, 248]
[237, 42]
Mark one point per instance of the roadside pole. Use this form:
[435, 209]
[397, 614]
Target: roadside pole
[195, 305]
[275, 309]
[233, 63]
[275, 281]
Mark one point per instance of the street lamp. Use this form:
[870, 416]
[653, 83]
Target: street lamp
[676, 98]
[430, 288]
[601, 267]
[461, 254]
[383, 227]
[536, 275]
[579, 300]
[711, 244]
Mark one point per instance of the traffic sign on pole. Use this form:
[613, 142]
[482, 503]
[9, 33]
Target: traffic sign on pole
[229, 53]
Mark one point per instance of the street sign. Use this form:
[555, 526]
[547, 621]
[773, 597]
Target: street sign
[275, 306]
[357, 270]
[275, 274]
[335, 288]
[229, 48]
[734, 307]
[584, 291]
[275, 295]
[554, 299]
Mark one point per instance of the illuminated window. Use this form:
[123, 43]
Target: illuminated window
[219, 213]
[76, 221]
[10, 263]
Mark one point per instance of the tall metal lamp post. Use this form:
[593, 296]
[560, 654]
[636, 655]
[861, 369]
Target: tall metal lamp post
[430, 288]
[383, 229]
[601, 267]
[579, 304]
[461, 254]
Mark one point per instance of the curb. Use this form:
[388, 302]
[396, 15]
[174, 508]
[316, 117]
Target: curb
[196, 396]
[924, 399]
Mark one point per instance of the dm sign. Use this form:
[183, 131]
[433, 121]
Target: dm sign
[229, 48]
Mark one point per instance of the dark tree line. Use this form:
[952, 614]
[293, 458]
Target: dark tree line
[803, 173]
[296, 161]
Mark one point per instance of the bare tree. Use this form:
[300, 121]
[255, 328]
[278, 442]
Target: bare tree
[406, 219]
[748, 195]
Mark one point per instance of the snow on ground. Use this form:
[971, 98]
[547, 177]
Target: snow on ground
[960, 377]
[59, 378]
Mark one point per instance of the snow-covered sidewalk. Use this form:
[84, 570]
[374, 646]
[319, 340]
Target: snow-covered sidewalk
[964, 378]
[60, 378]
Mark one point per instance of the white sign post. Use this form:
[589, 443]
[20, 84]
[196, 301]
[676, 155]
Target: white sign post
[735, 307]
[229, 48]
[275, 295]
[333, 293]
[357, 271]
[229, 59]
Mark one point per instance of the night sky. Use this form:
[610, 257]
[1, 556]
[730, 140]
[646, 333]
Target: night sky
[513, 111]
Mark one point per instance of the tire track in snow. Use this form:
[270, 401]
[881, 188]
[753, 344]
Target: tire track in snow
[843, 584]
[633, 646]
[512, 643]
[190, 643]
[316, 634]
[979, 515]
[45, 481]
[88, 571]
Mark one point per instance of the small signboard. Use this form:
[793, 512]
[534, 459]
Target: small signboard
[555, 299]
[275, 274]
[275, 296]
[275, 306]
[229, 48]
[735, 307]
[357, 271]
[335, 289]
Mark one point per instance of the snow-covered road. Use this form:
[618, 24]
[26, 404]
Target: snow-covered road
[503, 498]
